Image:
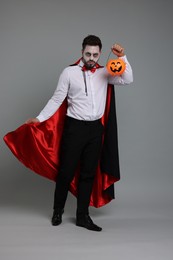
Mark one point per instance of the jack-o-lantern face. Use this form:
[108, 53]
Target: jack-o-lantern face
[116, 67]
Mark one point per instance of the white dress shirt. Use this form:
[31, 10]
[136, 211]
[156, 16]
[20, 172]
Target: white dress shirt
[71, 85]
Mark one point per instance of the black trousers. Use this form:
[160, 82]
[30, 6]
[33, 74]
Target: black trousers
[81, 143]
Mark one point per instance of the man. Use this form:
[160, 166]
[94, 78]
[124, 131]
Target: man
[85, 86]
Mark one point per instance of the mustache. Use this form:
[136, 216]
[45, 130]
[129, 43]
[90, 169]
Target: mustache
[91, 61]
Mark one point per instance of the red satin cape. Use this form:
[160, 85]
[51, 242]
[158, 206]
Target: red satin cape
[37, 146]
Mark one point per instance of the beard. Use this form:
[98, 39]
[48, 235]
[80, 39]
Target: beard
[89, 64]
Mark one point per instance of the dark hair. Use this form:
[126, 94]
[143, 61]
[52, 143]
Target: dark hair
[92, 40]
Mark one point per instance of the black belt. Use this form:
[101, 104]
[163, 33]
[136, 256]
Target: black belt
[86, 122]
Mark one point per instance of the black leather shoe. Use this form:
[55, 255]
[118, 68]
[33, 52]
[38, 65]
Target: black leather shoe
[87, 223]
[57, 217]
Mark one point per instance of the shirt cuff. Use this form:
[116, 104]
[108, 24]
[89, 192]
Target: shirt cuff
[40, 118]
[124, 58]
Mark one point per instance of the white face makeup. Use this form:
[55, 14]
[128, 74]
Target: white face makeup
[91, 55]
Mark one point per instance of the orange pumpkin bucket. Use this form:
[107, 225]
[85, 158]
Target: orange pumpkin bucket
[115, 67]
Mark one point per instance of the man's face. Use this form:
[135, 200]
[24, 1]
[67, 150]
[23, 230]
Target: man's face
[91, 55]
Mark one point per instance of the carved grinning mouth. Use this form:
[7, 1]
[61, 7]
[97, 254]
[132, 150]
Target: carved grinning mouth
[114, 70]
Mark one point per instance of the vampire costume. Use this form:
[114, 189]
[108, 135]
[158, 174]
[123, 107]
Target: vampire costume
[37, 146]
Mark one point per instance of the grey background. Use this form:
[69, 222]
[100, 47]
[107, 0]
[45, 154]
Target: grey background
[37, 40]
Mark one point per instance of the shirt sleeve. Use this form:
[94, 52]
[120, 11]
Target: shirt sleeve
[58, 97]
[125, 78]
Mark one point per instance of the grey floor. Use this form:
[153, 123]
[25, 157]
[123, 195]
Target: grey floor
[131, 230]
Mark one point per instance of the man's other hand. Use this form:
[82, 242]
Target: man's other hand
[32, 120]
